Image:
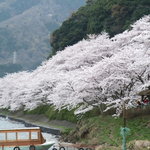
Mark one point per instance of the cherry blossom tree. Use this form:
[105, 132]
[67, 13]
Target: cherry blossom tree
[98, 72]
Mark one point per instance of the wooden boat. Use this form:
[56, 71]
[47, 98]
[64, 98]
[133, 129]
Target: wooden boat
[23, 139]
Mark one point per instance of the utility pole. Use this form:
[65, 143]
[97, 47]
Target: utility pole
[14, 57]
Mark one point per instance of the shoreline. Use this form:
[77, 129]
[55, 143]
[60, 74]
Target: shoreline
[53, 131]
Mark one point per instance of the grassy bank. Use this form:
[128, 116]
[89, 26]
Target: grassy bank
[52, 114]
[47, 111]
[105, 130]
[92, 128]
[45, 116]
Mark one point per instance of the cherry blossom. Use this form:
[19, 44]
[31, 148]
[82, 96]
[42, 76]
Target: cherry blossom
[97, 72]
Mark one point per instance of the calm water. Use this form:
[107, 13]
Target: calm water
[9, 124]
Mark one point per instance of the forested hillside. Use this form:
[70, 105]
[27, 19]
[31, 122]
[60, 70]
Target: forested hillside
[112, 16]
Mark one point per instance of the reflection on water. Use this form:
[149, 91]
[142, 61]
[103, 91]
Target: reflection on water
[5, 123]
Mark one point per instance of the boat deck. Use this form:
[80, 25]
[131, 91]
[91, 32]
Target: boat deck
[21, 137]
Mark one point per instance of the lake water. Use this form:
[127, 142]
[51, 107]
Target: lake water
[9, 124]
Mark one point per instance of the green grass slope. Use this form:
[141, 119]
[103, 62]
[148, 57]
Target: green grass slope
[106, 131]
[52, 114]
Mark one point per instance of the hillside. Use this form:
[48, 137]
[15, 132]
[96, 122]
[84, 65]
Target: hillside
[25, 26]
[112, 16]
[9, 68]
[105, 131]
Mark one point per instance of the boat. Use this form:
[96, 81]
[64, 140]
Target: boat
[23, 139]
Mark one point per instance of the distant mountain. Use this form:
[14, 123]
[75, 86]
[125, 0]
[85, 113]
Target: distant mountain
[9, 68]
[25, 26]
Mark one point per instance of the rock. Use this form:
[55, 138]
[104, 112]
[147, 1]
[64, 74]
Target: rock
[140, 144]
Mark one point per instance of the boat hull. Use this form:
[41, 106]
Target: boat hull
[37, 147]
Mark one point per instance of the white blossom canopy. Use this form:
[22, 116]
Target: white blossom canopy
[92, 73]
